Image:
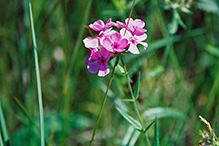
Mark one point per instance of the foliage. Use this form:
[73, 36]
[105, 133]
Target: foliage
[178, 80]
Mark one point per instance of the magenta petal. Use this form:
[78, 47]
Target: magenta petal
[123, 43]
[97, 26]
[104, 52]
[139, 23]
[107, 43]
[104, 70]
[116, 37]
[133, 49]
[139, 31]
[119, 24]
[93, 67]
[91, 42]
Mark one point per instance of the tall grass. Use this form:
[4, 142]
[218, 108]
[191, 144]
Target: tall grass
[39, 92]
[179, 74]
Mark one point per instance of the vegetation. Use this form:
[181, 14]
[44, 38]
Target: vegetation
[174, 80]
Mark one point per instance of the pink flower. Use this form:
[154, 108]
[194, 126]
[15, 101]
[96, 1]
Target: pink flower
[133, 40]
[100, 64]
[100, 26]
[95, 42]
[91, 42]
[135, 26]
[115, 43]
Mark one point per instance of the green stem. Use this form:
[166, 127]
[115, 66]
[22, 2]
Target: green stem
[105, 97]
[38, 80]
[136, 108]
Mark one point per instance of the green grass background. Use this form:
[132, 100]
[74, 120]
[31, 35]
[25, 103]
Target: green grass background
[179, 73]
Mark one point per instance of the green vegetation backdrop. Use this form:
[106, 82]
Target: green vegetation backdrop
[179, 72]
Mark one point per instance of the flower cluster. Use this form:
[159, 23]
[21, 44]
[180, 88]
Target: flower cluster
[108, 42]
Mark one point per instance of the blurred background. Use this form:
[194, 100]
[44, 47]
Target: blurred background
[179, 72]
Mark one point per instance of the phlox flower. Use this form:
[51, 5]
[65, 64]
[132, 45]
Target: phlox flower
[99, 65]
[96, 41]
[100, 26]
[133, 40]
[115, 43]
[135, 26]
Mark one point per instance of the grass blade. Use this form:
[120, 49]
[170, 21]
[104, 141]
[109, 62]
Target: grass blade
[131, 120]
[136, 91]
[38, 80]
[3, 127]
[156, 136]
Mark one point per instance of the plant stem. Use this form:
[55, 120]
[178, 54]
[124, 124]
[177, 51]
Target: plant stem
[38, 80]
[105, 97]
[136, 108]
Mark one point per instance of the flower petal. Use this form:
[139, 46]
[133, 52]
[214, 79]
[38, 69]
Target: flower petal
[104, 70]
[144, 44]
[107, 43]
[91, 42]
[116, 37]
[141, 37]
[93, 67]
[104, 52]
[133, 49]
[123, 43]
[127, 33]
[139, 23]
[97, 26]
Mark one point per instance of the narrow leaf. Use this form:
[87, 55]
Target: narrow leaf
[156, 136]
[149, 126]
[136, 91]
[155, 72]
[161, 112]
[128, 100]
[212, 50]
[122, 70]
[131, 120]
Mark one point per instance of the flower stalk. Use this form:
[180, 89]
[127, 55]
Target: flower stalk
[105, 97]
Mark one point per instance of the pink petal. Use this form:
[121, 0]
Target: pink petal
[93, 67]
[116, 37]
[133, 49]
[97, 26]
[139, 31]
[123, 43]
[139, 23]
[141, 38]
[105, 53]
[119, 24]
[107, 43]
[109, 23]
[144, 44]
[127, 35]
[91, 42]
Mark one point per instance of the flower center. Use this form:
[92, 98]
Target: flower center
[102, 60]
[115, 45]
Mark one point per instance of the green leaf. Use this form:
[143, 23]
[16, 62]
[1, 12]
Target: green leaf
[136, 91]
[212, 50]
[208, 6]
[155, 72]
[185, 10]
[128, 100]
[130, 119]
[173, 26]
[149, 126]
[121, 69]
[156, 134]
[163, 112]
